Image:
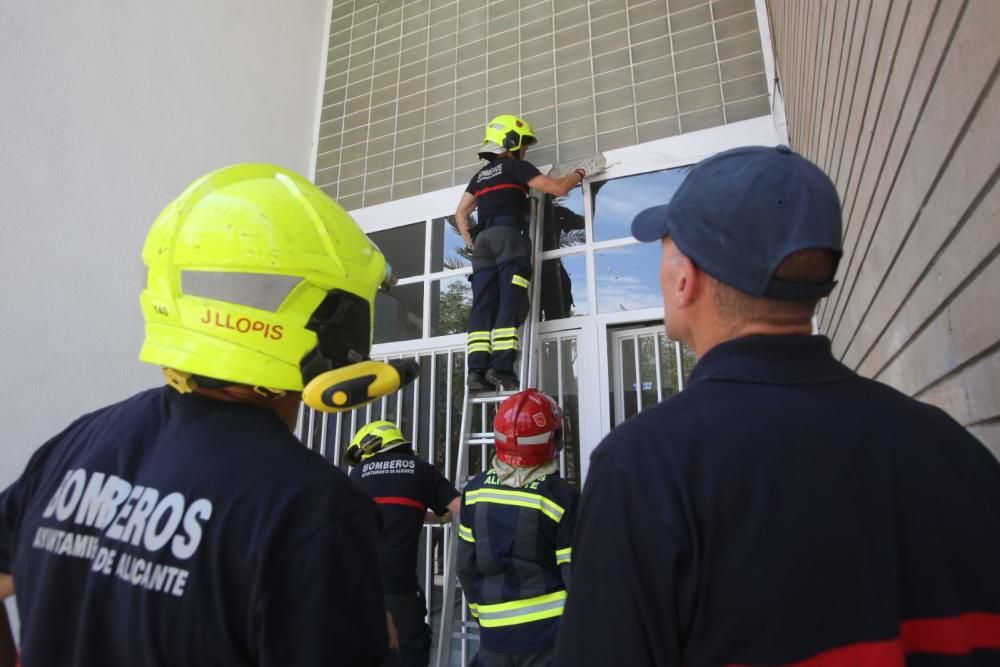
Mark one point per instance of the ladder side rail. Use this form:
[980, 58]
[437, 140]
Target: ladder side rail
[447, 629]
[528, 366]
[451, 545]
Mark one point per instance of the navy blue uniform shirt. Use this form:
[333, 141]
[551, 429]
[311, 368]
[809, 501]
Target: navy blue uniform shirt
[783, 509]
[501, 188]
[181, 530]
[404, 487]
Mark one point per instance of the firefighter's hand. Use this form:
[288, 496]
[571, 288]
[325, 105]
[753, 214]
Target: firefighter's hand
[593, 166]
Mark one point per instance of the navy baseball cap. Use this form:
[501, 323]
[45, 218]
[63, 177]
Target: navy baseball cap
[739, 213]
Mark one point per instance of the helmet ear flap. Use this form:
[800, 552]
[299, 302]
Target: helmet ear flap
[353, 455]
[369, 446]
[511, 140]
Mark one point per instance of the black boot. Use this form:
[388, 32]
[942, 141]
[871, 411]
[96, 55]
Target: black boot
[502, 380]
[476, 382]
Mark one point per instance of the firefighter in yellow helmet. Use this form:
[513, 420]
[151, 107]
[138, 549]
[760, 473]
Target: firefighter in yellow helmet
[406, 488]
[501, 253]
[186, 525]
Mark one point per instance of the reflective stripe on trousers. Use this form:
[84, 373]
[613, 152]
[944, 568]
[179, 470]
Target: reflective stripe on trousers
[505, 339]
[479, 341]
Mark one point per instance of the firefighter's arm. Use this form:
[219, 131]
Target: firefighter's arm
[564, 539]
[557, 187]
[454, 508]
[465, 208]
[465, 557]
[8, 652]
[393, 634]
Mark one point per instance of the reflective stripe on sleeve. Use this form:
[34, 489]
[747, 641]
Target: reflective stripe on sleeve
[517, 499]
[465, 533]
[563, 555]
[520, 281]
[517, 612]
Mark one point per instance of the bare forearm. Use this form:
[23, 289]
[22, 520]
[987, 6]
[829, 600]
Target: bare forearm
[557, 187]
[8, 652]
[465, 207]
[462, 222]
[570, 181]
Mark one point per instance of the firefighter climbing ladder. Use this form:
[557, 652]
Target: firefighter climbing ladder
[478, 410]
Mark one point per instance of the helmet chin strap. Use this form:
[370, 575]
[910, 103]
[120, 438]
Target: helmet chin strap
[358, 384]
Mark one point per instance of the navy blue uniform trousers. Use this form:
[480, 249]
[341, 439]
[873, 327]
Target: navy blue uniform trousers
[501, 270]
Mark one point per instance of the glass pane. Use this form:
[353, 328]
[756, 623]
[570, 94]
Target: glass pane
[447, 247]
[628, 277]
[399, 314]
[422, 443]
[628, 379]
[404, 409]
[668, 366]
[389, 408]
[571, 411]
[451, 300]
[563, 224]
[549, 368]
[689, 360]
[441, 410]
[617, 201]
[647, 371]
[403, 247]
[612, 369]
[564, 287]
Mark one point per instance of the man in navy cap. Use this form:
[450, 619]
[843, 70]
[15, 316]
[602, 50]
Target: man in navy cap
[781, 509]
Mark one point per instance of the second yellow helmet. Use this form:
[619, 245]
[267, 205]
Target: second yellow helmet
[507, 133]
[373, 438]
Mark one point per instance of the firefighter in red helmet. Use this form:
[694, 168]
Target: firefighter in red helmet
[516, 528]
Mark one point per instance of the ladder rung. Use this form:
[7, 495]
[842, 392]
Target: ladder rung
[498, 397]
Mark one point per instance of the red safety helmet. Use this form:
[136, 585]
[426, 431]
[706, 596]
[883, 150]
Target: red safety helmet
[528, 429]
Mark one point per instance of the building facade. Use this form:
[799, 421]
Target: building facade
[898, 102]
[654, 85]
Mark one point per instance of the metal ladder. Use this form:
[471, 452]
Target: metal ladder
[465, 628]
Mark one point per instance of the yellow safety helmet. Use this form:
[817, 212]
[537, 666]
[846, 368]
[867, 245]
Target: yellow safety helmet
[380, 436]
[507, 133]
[257, 277]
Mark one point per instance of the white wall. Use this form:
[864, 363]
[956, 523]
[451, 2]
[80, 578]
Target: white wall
[108, 109]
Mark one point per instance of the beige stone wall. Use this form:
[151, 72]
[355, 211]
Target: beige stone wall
[897, 101]
[411, 85]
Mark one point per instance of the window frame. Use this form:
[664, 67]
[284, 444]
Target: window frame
[658, 155]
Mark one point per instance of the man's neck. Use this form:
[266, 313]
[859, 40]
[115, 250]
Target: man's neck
[705, 338]
[286, 406]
